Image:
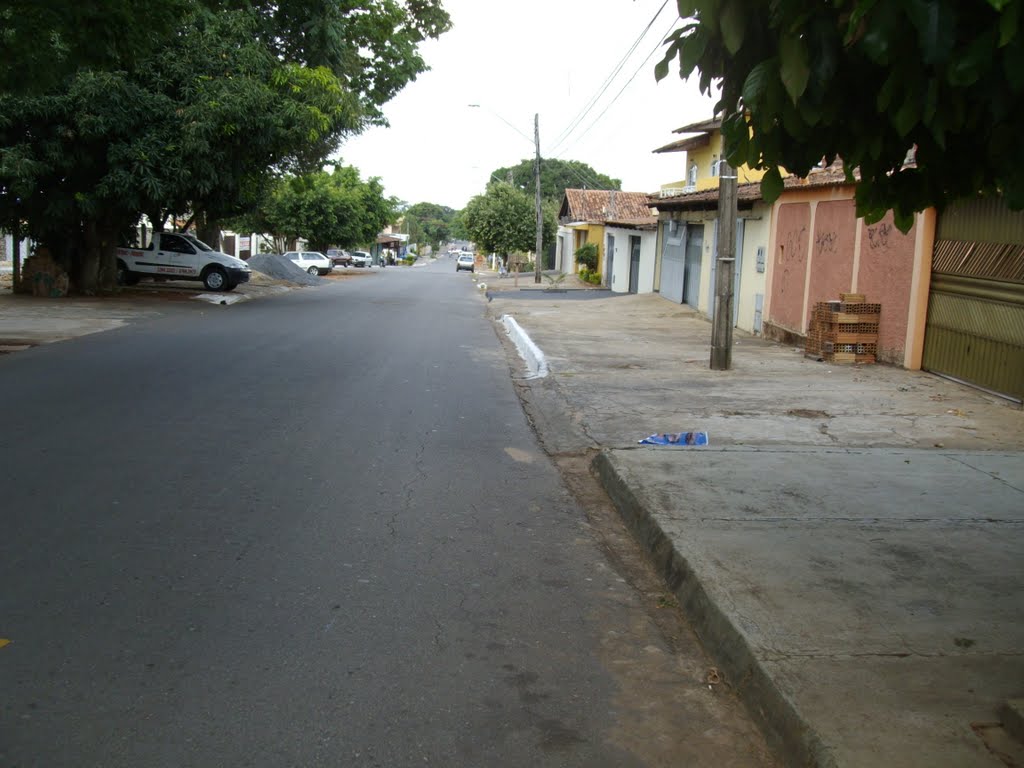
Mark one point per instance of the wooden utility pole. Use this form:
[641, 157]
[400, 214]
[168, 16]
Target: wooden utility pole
[721, 322]
[540, 215]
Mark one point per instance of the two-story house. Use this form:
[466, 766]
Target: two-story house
[688, 228]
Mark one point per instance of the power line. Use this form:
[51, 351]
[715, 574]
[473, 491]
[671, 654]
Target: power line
[564, 135]
[617, 95]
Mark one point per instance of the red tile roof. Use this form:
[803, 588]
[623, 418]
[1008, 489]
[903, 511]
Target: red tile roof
[833, 176]
[605, 206]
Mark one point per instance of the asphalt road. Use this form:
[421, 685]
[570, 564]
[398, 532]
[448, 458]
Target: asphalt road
[315, 529]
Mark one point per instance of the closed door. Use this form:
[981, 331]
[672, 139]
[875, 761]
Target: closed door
[609, 261]
[694, 254]
[634, 264]
[673, 260]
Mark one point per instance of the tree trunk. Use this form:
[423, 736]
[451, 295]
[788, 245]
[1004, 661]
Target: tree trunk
[87, 273]
[208, 230]
[96, 270]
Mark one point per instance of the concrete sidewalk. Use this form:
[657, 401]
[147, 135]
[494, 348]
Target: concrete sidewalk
[849, 548]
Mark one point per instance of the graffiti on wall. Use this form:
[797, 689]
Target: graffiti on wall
[878, 235]
[825, 242]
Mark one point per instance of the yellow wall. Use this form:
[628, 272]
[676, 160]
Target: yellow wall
[703, 156]
[590, 233]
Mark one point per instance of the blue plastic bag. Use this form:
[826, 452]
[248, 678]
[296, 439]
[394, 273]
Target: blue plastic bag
[677, 438]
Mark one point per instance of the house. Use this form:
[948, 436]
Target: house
[623, 227]
[703, 159]
[951, 290]
[688, 230]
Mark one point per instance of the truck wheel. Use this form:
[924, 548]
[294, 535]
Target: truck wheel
[215, 279]
[124, 275]
[313, 271]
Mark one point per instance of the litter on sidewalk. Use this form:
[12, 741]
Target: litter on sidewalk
[676, 438]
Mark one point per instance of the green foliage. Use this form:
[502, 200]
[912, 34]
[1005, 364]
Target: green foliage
[504, 219]
[193, 116]
[429, 222]
[586, 255]
[555, 177]
[326, 209]
[590, 276]
[44, 41]
[867, 82]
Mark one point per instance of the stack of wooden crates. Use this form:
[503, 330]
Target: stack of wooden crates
[844, 331]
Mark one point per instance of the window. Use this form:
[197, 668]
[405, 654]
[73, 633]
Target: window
[691, 179]
[714, 165]
[175, 244]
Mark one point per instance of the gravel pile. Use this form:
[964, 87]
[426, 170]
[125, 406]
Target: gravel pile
[280, 268]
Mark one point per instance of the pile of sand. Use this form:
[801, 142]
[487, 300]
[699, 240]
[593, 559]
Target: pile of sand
[280, 268]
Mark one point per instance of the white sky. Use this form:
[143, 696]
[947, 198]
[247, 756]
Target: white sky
[520, 57]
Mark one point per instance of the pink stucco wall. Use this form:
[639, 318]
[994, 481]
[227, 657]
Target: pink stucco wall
[885, 275]
[835, 233]
[789, 266]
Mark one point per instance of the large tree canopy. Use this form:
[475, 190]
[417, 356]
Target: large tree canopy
[199, 120]
[556, 176]
[867, 82]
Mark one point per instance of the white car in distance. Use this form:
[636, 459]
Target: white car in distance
[313, 262]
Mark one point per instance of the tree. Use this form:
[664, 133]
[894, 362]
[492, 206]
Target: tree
[326, 209]
[866, 82]
[503, 220]
[199, 120]
[431, 222]
[556, 176]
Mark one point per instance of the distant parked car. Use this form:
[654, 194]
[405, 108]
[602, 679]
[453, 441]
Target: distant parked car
[339, 257]
[465, 261]
[361, 259]
[313, 262]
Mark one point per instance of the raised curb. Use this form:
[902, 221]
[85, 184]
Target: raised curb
[781, 722]
[530, 352]
[1013, 718]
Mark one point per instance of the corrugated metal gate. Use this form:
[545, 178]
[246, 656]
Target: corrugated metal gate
[673, 259]
[975, 326]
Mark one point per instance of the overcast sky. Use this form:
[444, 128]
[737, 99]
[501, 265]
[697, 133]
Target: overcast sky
[518, 58]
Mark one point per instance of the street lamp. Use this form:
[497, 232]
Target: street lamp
[536, 181]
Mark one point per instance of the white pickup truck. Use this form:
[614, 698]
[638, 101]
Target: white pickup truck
[180, 256]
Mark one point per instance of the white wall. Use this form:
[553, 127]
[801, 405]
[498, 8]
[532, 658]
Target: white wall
[8, 254]
[565, 259]
[752, 282]
[648, 254]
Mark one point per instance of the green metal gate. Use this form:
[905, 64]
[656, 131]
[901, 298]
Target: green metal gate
[975, 326]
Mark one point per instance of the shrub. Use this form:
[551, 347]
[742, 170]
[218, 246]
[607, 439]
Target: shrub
[586, 256]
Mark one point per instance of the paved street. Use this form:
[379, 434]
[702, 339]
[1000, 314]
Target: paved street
[317, 529]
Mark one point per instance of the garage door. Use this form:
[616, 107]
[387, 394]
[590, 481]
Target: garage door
[673, 261]
[975, 326]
